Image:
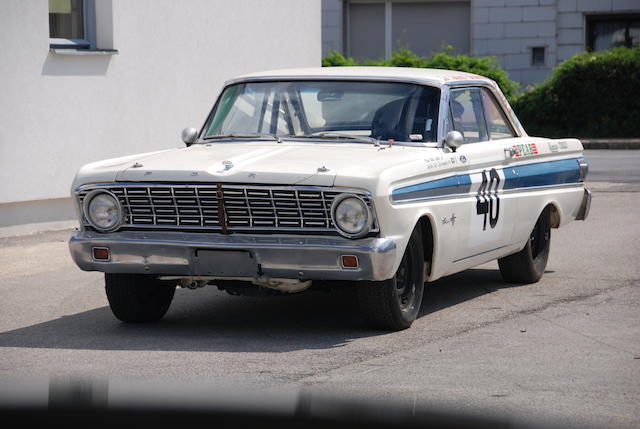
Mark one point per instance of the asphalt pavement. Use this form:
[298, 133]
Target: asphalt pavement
[564, 350]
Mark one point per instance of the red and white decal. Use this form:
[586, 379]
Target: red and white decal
[527, 149]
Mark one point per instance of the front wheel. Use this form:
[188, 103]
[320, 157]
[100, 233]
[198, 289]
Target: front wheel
[138, 298]
[394, 304]
[528, 265]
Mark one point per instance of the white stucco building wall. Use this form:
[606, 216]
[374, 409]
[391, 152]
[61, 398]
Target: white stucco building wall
[58, 112]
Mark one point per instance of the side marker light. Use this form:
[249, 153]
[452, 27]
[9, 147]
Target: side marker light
[349, 261]
[101, 254]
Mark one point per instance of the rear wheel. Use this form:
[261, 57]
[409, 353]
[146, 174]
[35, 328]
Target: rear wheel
[528, 265]
[394, 304]
[138, 298]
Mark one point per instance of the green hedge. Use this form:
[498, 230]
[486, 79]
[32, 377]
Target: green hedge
[484, 66]
[589, 95]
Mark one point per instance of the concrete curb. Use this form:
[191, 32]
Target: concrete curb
[611, 143]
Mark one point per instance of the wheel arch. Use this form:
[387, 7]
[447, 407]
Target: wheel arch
[554, 213]
[427, 232]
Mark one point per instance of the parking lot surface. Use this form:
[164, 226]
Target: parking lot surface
[566, 349]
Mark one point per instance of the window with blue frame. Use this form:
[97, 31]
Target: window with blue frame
[71, 24]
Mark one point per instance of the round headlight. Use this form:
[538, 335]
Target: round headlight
[103, 211]
[351, 215]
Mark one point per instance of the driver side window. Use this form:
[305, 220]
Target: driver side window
[467, 114]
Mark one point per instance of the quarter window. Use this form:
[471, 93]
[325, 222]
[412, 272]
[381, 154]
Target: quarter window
[497, 123]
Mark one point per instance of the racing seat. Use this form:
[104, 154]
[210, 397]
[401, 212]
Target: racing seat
[389, 121]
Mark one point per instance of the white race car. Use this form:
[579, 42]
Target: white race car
[381, 178]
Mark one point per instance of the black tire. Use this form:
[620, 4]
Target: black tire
[138, 298]
[528, 265]
[394, 304]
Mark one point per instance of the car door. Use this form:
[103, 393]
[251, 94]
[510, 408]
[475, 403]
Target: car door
[490, 214]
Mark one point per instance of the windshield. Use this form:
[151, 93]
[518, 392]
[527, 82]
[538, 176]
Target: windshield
[382, 110]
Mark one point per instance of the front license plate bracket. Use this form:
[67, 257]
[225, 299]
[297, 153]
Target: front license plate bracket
[225, 263]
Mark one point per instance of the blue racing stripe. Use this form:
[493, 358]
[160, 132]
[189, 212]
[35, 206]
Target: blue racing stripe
[543, 174]
[447, 186]
[534, 175]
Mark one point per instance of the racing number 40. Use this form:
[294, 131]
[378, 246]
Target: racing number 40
[487, 200]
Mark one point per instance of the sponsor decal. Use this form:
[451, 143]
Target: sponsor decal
[558, 146]
[450, 220]
[487, 200]
[439, 161]
[526, 149]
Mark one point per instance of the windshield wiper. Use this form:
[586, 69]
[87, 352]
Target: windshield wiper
[332, 135]
[244, 136]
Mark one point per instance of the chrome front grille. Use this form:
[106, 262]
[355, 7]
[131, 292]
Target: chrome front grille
[245, 208]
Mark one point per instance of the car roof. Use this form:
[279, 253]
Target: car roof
[432, 76]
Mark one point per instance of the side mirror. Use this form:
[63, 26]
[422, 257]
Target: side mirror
[454, 140]
[189, 136]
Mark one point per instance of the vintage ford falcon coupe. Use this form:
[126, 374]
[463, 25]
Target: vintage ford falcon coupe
[382, 178]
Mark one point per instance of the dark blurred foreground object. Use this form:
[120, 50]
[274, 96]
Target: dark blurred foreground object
[90, 403]
[594, 94]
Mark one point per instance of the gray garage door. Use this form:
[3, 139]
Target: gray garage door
[426, 27]
[423, 27]
[366, 31]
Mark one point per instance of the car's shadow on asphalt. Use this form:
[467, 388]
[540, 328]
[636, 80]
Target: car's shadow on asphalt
[209, 320]
[461, 287]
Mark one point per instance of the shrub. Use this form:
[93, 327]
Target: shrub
[484, 66]
[335, 59]
[588, 95]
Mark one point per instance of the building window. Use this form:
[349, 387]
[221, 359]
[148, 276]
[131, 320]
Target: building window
[610, 31]
[537, 56]
[71, 24]
[376, 28]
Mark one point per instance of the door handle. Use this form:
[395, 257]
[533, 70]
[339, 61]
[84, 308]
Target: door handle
[510, 151]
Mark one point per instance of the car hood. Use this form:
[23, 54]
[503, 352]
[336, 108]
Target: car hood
[290, 163]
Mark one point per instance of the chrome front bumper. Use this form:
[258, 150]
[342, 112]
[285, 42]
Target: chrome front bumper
[235, 256]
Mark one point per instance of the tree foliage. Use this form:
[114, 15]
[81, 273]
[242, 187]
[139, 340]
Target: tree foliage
[483, 66]
[589, 95]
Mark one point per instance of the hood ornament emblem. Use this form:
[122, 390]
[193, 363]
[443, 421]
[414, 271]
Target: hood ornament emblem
[322, 169]
[136, 165]
[228, 165]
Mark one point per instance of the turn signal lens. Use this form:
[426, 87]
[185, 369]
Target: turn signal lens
[101, 254]
[349, 261]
